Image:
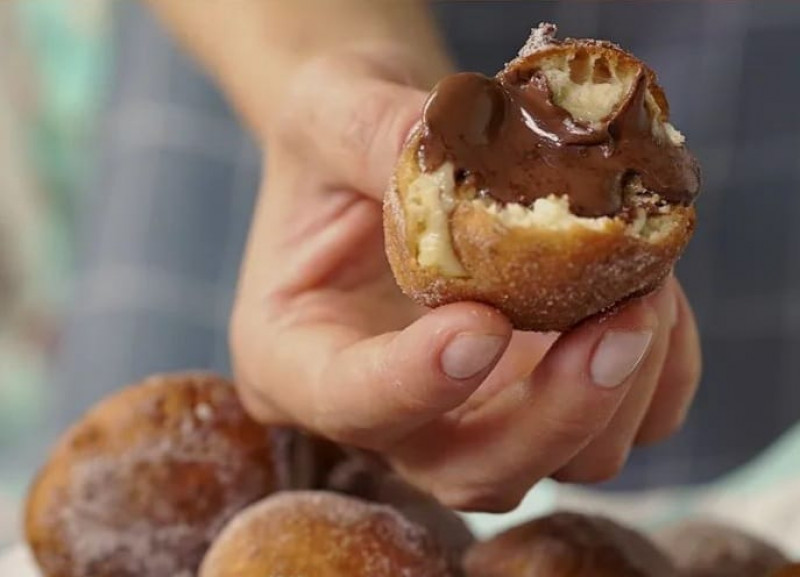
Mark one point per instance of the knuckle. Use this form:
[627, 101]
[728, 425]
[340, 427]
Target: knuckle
[574, 430]
[594, 468]
[236, 331]
[342, 433]
[685, 378]
[251, 402]
[332, 425]
[237, 347]
[300, 107]
[248, 364]
[607, 469]
[332, 419]
[660, 430]
[688, 373]
[285, 127]
[484, 497]
[653, 434]
[362, 125]
[257, 403]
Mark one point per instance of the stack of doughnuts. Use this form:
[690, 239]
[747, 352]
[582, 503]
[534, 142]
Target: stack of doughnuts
[152, 476]
[171, 478]
[568, 544]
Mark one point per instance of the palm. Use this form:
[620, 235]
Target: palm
[350, 284]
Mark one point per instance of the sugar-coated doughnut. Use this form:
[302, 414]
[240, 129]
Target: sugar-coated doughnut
[318, 464]
[322, 534]
[142, 484]
[568, 545]
[709, 548]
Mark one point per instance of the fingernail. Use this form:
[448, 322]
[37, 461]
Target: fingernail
[468, 354]
[618, 355]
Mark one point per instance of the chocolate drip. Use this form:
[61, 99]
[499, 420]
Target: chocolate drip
[514, 144]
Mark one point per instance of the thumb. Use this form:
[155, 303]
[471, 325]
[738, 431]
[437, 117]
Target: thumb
[392, 384]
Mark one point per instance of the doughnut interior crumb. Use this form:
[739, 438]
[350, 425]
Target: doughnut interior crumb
[588, 86]
[432, 198]
[553, 214]
[591, 86]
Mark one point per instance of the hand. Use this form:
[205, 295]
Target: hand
[452, 398]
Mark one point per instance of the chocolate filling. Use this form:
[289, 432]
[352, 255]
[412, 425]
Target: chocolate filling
[507, 138]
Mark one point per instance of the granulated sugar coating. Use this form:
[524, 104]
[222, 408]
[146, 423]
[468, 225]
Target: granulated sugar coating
[144, 483]
[317, 534]
[541, 37]
[544, 36]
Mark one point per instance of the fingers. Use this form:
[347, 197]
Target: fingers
[533, 430]
[371, 391]
[367, 134]
[603, 458]
[392, 384]
[525, 351]
[679, 378]
[325, 156]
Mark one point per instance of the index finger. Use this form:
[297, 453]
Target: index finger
[356, 132]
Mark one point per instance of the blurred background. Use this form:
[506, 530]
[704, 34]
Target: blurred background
[126, 185]
[54, 57]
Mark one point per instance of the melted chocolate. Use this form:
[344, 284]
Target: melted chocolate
[507, 138]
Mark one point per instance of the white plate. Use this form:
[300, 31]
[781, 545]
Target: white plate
[16, 562]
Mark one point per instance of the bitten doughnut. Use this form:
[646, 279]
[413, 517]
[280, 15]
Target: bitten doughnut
[552, 192]
[568, 545]
[707, 548]
[319, 534]
[142, 484]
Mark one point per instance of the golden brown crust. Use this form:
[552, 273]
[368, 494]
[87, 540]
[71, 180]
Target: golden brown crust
[707, 548]
[319, 534]
[542, 280]
[146, 479]
[568, 545]
[792, 570]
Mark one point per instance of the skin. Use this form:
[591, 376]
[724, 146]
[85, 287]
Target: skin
[321, 336]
